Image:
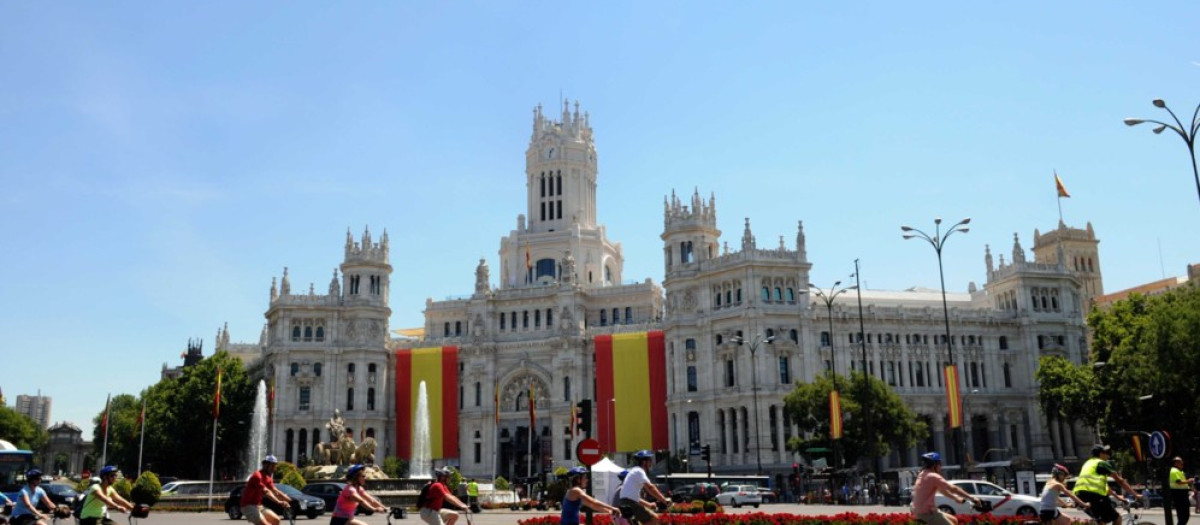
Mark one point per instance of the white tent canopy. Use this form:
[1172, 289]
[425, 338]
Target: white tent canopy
[605, 480]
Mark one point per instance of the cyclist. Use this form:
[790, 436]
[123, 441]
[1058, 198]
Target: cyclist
[1051, 497]
[32, 495]
[631, 490]
[352, 496]
[577, 497]
[929, 483]
[97, 498]
[1092, 485]
[262, 485]
[433, 511]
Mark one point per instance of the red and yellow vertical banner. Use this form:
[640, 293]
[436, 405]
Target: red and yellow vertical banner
[1136, 440]
[532, 409]
[953, 398]
[835, 415]
[631, 390]
[496, 402]
[438, 368]
[217, 396]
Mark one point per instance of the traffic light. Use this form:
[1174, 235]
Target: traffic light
[583, 417]
[706, 453]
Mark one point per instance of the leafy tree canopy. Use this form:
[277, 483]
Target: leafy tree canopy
[892, 421]
[21, 430]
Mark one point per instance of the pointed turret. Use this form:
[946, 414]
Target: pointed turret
[987, 258]
[274, 291]
[335, 288]
[748, 242]
[801, 248]
[1018, 253]
[285, 288]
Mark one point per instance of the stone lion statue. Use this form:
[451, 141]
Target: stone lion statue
[365, 453]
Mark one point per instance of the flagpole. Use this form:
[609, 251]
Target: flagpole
[142, 442]
[1060, 219]
[212, 465]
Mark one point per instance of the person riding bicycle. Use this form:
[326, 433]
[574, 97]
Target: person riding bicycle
[1051, 498]
[577, 497]
[351, 497]
[1092, 485]
[262, 485]
[32, 495]
[929, 483]
[97, 498]
[432, 512]
[631, 491]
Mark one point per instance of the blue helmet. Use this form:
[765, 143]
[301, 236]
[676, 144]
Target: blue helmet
[353, 471]
[644, 454]
[270, 459]
[931, 458]
[108, 469]
[622, 475]
[576, 471]
[33, 474]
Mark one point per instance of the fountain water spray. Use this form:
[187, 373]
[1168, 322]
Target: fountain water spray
[257, 447]
[421, 466]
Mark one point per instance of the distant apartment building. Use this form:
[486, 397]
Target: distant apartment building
[36, 407]
[1158, 287]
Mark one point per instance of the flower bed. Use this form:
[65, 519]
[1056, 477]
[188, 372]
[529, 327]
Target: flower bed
[762, 518]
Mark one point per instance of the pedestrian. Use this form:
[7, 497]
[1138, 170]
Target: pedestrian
[433, 509]
[354, 496]
[577, 497]
[98, 497]
[1179, 491]
[472, 493]
[262, 485]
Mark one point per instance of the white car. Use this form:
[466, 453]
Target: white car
[738, 495]
[1004, 503]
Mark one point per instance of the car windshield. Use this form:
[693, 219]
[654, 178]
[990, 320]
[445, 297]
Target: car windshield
[987, 489]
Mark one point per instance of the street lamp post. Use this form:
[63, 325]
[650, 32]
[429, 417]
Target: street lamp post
[754, 391]
[866, 399]
[827, 297]
[1187, 133]
[938, 241]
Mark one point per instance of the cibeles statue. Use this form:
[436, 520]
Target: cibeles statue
[336, 425]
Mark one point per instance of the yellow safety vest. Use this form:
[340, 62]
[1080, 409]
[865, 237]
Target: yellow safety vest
[1091, 481]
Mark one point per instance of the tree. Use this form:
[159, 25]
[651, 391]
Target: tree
[1151, 350]
[21, 430]
[1069, 391]
[893, 422]
[179, 422]
[146, 489]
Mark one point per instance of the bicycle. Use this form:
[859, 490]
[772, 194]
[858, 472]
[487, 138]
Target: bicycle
[1130, 518]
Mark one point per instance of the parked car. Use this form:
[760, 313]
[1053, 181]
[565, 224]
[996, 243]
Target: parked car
[738, 495]
[699, 491]
[329, 491]
[185, 488]
[302, 504]
[768, 495]
[61, 494]
[682, 493]
[1015, 505]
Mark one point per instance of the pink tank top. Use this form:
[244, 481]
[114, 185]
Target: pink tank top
[346, 505]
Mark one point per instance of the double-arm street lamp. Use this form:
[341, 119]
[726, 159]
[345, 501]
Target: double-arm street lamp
[938, 241]
[754, 389]
[827, 297]
[1187, 133]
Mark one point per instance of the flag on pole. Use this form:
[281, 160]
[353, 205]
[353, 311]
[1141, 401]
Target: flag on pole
[271, 399]
[574, 420]
[217, 396]
[631, 366]
[953, 401]
[528, 264]
[1062, 190]
[104, 420]
[532, 409]
[496, 401]
[835, 415]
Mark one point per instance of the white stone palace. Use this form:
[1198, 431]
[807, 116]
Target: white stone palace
[560, 282]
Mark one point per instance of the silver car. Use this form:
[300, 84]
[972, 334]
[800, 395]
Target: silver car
[1004, 503]
[738, 495]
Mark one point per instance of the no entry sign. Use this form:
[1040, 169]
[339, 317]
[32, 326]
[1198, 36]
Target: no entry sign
[588, 452]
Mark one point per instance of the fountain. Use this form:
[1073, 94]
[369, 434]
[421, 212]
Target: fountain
[421, 466]
[256, 449]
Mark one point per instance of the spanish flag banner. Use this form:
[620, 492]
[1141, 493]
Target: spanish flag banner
[438, 368]
[631, 387]
[953, 400]
[1137, 447]
[1062, 190]
[835, 415]
[217, 396]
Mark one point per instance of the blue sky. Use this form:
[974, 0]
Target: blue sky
[161, 162]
